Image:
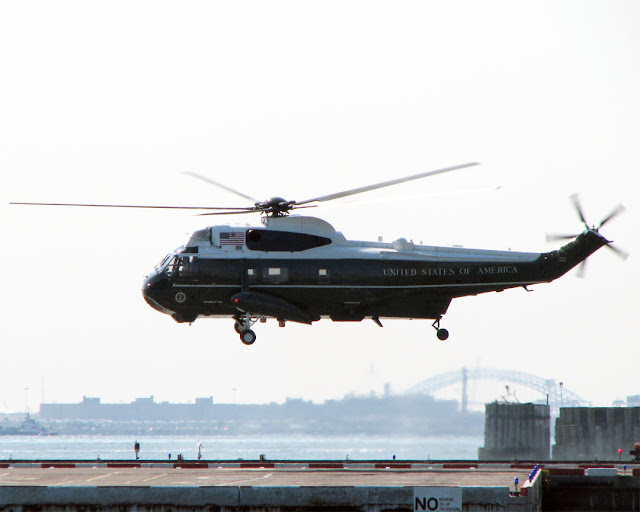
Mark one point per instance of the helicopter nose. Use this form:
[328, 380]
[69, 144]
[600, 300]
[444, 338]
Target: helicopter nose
[155, 291]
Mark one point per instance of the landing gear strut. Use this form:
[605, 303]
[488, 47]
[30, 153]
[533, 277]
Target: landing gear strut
[442, 334]
[240, 326]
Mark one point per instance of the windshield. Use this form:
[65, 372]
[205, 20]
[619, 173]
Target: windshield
[160, 267]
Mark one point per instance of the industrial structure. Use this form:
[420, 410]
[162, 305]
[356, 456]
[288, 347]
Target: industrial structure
[596, 433]
[516, 432]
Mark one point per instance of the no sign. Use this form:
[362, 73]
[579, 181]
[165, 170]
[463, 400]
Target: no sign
[442, 499]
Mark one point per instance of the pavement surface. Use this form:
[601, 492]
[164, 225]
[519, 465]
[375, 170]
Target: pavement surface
[208, 477]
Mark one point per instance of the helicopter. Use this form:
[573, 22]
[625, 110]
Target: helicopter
[298, 268]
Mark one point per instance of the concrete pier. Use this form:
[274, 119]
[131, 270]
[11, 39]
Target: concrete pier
[358, 486]
[588, 492]
[302, 486]
[516, 432]
[596, 433]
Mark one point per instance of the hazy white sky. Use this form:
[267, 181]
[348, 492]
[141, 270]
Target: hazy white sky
[109, 101]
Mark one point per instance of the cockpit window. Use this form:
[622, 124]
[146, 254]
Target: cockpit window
[165, 261]
[267, 240]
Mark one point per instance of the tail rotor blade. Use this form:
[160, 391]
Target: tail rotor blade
[618, 252]
[576, 203]
[616, 211]
[582, 269]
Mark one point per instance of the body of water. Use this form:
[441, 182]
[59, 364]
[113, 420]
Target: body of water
[229, 447]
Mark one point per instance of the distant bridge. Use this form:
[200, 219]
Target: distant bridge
[557, 394]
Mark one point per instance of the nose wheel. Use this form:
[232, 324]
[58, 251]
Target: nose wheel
[242, 326]
[248, 337]
[442, 334]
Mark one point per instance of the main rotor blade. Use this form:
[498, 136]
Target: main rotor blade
[616, 211]
[217, 184]
[253, 210]
[576, 203]
[138, 206]
[389, 183]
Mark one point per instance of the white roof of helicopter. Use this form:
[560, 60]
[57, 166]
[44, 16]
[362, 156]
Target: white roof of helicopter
[341, 248]
[300, 224]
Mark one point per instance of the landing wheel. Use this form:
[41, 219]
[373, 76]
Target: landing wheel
[248, 337]
[442, 334]
[240, 326]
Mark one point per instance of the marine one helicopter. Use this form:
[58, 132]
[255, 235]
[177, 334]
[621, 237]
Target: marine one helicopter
[295, 268]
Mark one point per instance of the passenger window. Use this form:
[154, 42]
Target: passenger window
[276, 275]
[284, 241]
[323, 275]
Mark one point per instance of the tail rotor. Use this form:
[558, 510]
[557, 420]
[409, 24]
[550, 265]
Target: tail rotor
[551, 237]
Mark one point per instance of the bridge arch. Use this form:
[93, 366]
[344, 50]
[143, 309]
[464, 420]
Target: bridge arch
[557, 393]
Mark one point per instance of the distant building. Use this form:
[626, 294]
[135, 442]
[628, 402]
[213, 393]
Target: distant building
[141, 409]
[633, 401]
[408, 414]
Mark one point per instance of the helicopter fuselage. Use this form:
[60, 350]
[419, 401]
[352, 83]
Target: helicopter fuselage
[298, 268]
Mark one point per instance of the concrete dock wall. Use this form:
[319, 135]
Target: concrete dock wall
[590, 433]
[254, 499]
[516, 432]
[591, 493]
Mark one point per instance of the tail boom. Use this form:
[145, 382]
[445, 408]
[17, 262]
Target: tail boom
[559, 262]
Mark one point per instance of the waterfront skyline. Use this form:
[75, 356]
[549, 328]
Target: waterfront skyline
[111, 104]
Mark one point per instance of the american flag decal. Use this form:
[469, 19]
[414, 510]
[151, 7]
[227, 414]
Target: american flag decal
[232, 238]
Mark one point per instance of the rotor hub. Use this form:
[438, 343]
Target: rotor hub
[276, 206]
